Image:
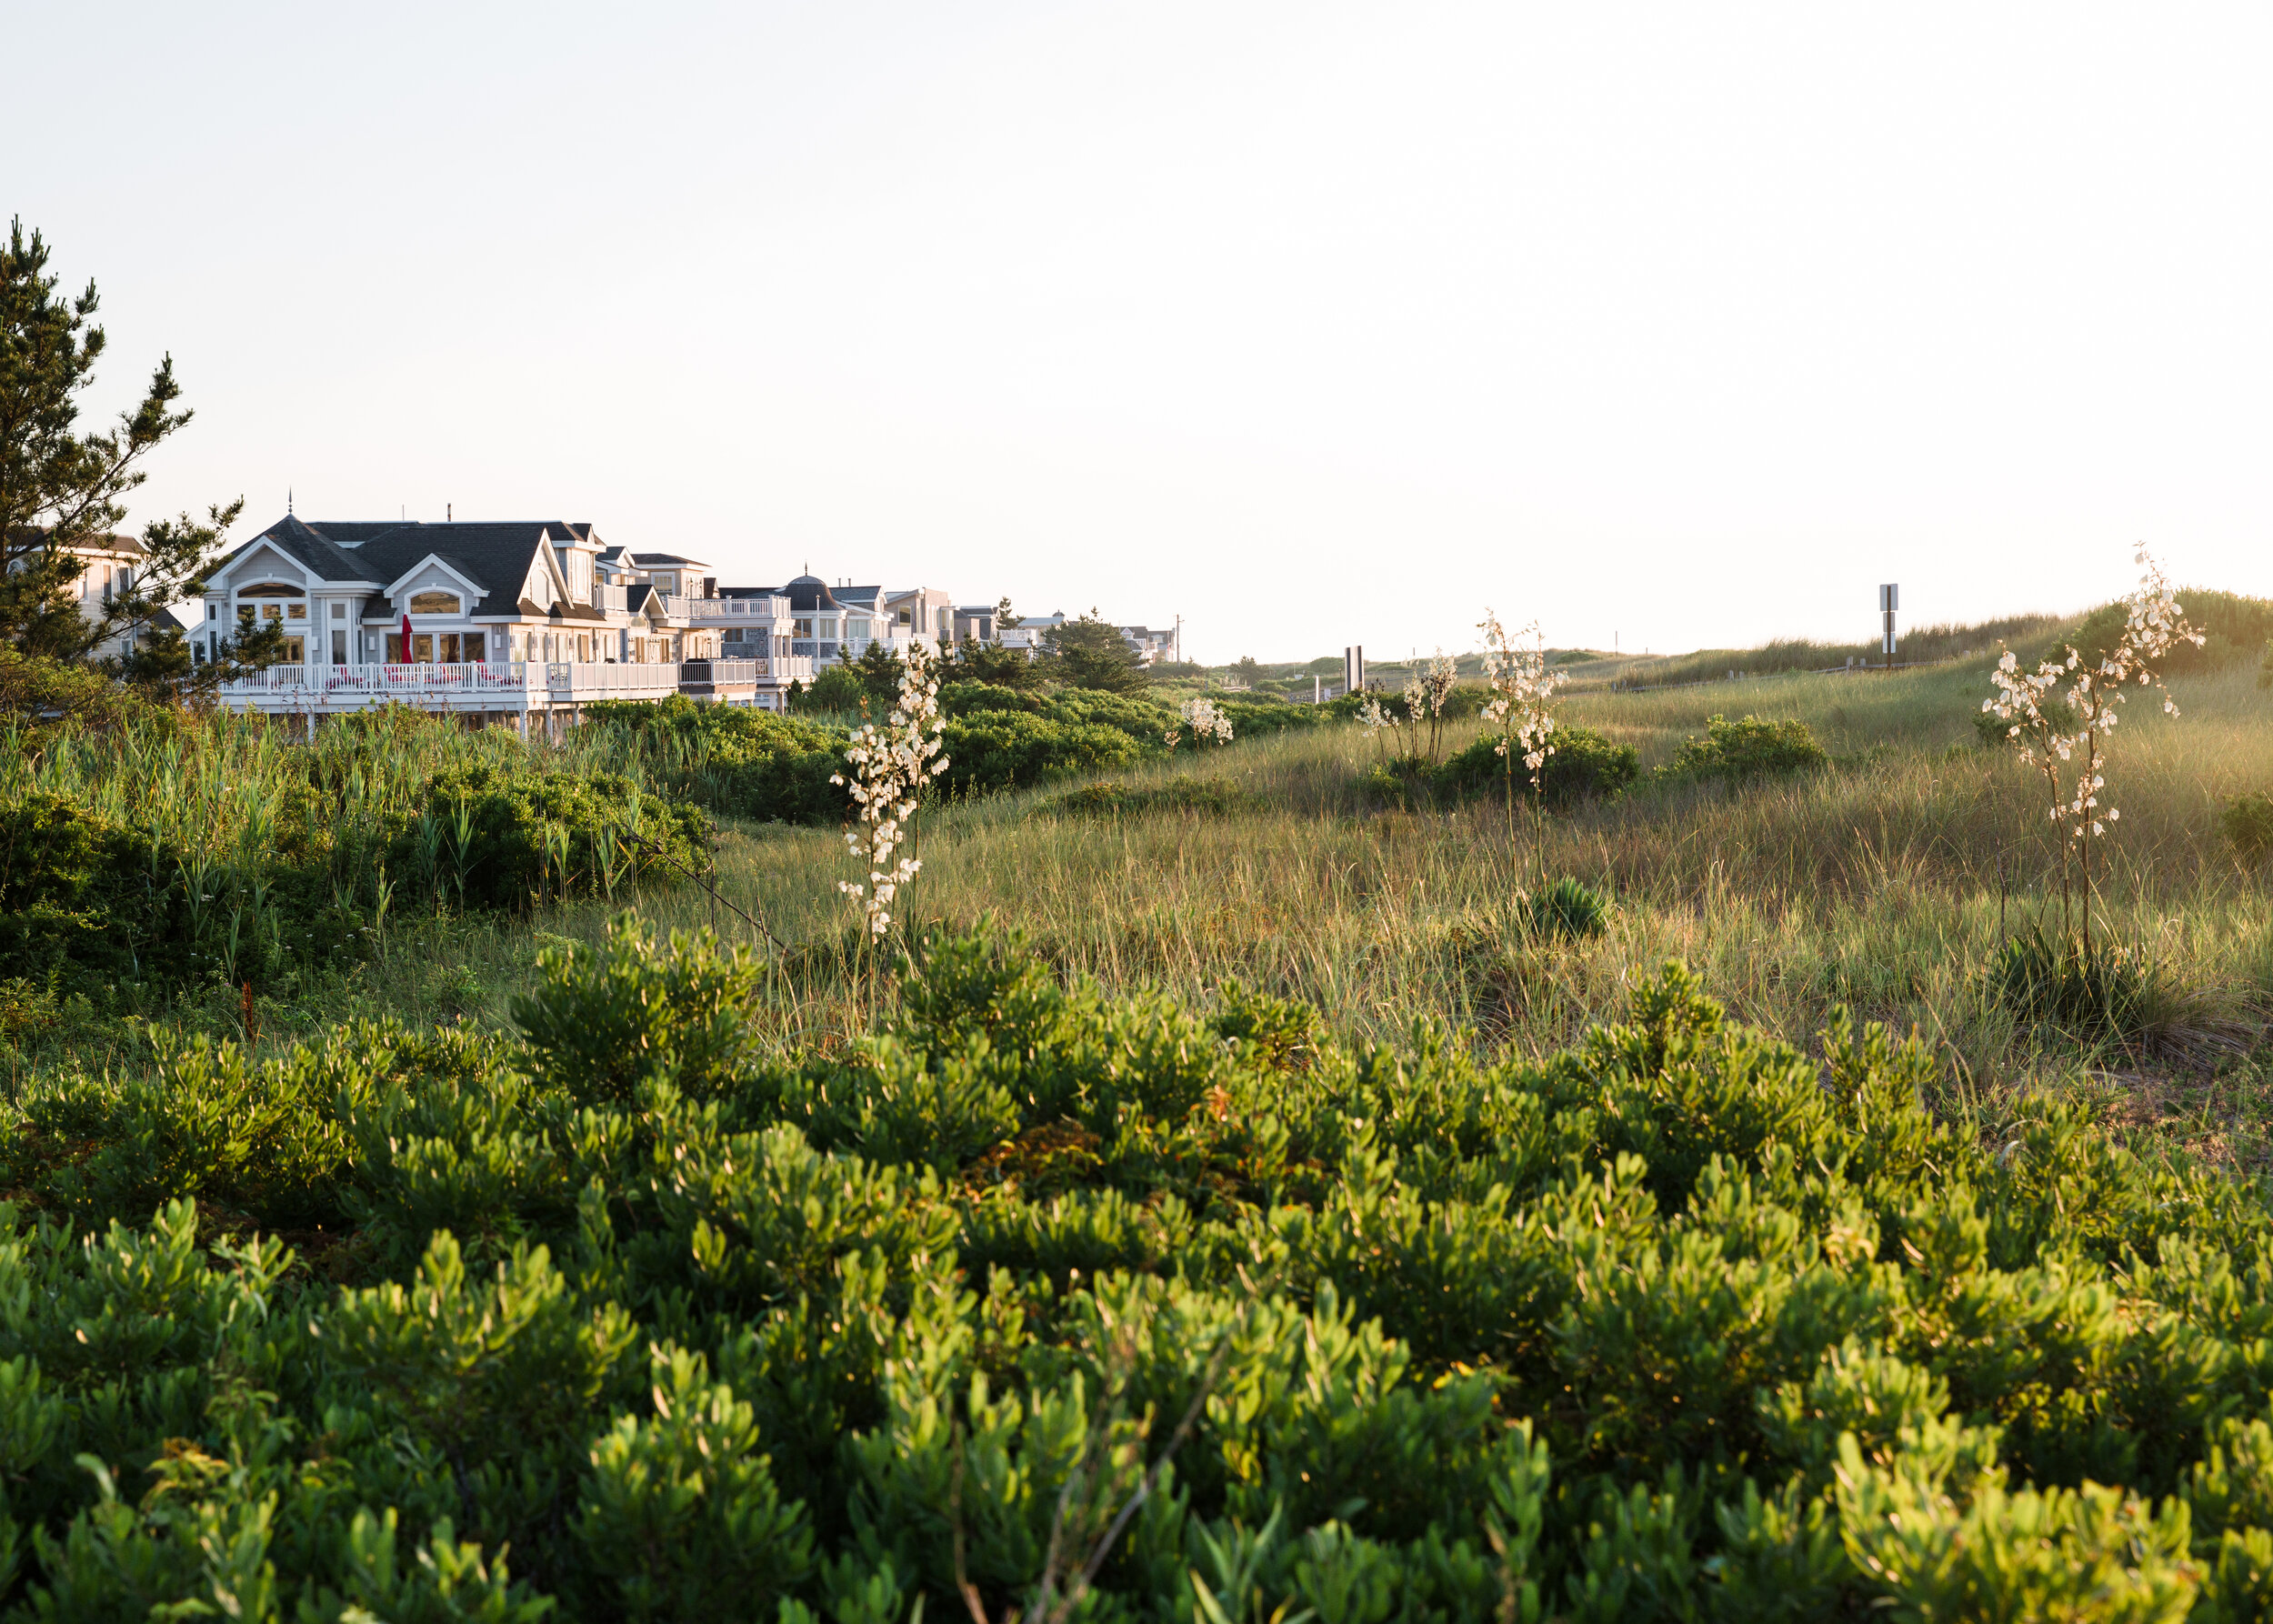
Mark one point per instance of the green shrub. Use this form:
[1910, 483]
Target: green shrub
[490, 838]
[2247, 823]
[647, 1319]
[1750, 748]
[834, 690]
[1010, 749]
[1585, 767]
[1567, 910]
[734, 758]
[1214, 797]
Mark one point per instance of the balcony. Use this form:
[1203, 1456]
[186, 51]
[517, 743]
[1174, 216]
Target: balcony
[611, 600]
[725, 611]
[499, 685]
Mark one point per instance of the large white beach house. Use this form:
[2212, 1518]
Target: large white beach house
[501, 622]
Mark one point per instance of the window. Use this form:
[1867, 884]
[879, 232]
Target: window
[339, 611]
[421, 648]
[272, 611]
[801, 628]
[212, 611]
[477, 645]
[295, 650]
[296, 611]
[449, 654]
[339, 647]
[270, 589]
[434, 603]
[828, 625]
[855, 629]
[906, 618]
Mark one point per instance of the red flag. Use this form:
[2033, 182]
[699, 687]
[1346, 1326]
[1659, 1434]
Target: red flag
[405, 636]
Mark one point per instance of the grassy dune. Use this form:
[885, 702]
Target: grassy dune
[1882, 885]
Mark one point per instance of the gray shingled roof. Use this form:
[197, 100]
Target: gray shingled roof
[497, 553]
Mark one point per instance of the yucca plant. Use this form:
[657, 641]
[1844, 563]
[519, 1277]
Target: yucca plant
[1568, 910]
[2060, 717]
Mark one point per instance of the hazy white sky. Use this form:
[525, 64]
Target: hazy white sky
[1313, 322]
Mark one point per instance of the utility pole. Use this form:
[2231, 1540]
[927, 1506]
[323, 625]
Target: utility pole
[1179, 639]
[1889, 600]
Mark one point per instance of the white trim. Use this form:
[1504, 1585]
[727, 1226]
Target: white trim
[474, 593]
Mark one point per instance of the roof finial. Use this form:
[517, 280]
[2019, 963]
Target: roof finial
[287, 501]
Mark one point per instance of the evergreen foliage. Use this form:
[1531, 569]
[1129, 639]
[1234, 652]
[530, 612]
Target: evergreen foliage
[62, 488]
[638, 1319]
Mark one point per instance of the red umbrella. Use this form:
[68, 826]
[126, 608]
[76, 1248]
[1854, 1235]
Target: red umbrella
[406, 636]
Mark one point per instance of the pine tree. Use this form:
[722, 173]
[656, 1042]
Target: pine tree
[60, 487]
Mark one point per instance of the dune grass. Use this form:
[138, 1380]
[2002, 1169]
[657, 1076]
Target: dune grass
[1883, 883]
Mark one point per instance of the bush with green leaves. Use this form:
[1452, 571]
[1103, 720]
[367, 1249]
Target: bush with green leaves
[732, 758]
[2247, 822]
[641, 1315]
[1733, 752]
[1585, 767]
[489, 837]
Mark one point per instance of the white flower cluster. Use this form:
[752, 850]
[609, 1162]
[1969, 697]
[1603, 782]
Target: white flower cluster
[1427, 691]
[1523, 692]
[2029, 702]
[890, 766]
[1206, 722]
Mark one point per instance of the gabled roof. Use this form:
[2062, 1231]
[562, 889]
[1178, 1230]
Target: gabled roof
[308, 548]
[495, 553]
[663, 560]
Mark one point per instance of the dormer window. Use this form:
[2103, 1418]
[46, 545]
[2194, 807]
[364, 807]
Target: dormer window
[435, 603]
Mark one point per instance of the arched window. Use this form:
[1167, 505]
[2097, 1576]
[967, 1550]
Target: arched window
[434, 603]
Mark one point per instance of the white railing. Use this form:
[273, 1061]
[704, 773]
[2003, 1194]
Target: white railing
[316, 681]
[740, 611]
[607, 599]
[580, 676]
[779, 667]
[852, 648]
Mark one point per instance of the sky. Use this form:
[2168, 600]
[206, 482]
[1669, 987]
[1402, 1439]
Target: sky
[1312, 324]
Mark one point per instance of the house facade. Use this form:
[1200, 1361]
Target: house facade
[108, 568]
[501, 622]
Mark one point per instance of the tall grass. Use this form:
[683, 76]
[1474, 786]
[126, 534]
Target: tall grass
[1884, 884]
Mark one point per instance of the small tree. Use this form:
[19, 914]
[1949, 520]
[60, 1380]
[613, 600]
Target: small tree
[1003, 667]
[60, 488]
[1088, 653]
[879, 671]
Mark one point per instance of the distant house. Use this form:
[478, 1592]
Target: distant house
[1151, 646]
[1031, 631]
[499, 621]
[977, 622]
[897, 618]
[109, 567]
